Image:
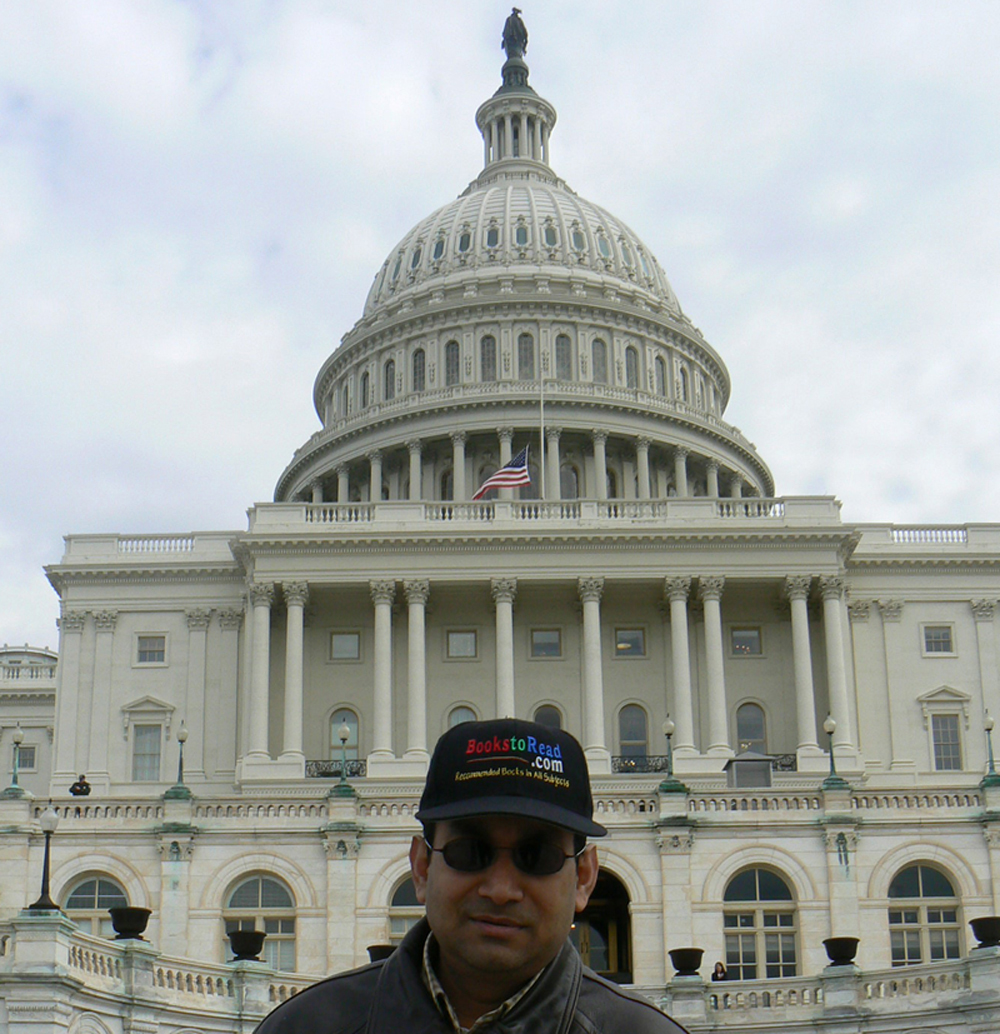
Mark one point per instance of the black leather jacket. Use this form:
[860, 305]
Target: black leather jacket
[389, 997]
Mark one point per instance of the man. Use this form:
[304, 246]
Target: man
[502, 868]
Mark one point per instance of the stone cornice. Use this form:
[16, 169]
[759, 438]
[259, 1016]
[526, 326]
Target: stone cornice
[62, 577]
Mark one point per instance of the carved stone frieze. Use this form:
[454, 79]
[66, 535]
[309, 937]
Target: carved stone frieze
[839, 837]
[341, 844]
[675, 841]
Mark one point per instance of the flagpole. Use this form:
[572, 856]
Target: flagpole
[541, 430]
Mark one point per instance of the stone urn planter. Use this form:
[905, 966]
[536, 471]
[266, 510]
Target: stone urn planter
[686, 961]
[246, 944]
[129, 922]
[986, 930]
[377, 952]
[841, 950]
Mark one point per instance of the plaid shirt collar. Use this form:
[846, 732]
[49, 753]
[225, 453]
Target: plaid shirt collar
[440, 998]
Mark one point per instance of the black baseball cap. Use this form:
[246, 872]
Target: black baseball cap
[510, 767]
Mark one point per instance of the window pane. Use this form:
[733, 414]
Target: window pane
[906, 884]
[274, 895]
[405, 895]
[488, 358]
[564, 358]
[345, 646]
[600, 360]
[526, 357]
[947, 751]
[110, 895]
[937, 639]
[146, 753]
[152, 649]
[84, 896]
[630, 642]
[546, 642]
[419, 369]
[935, 884]
[742, 887]
[459, 715]
[246, 895]
[746, 642]
[549, 716]
[750, 728]
[461, 644]
[772, 887]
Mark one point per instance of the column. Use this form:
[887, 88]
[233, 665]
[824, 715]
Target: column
[681, 472]
[343, 484]
[383, 593]
[493, 142]
[296, 594]
[983, 611]
[591, 590]
[261, 598]
[600, 439]
[553, 486]
[486, 148]
[317, 492]
[545, 144]
[100, 714]
[718, 712]
[676, 590]
[224, 701]
[713, 479]
[375, 481]
[413, 446]
[506, 436]
[736, 486]
[503, 590]
[508, 137]
[417, 591]
[458, 465]
[797, 591]
[832, 589]
[194, 707]
[537, 151]
[642, 464]
[71, 624]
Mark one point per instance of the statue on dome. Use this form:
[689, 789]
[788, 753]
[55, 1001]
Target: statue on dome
[515, 35]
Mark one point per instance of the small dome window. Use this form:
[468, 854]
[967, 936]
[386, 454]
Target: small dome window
[604, 245]
[626, 255]
[578, 241]
[464, 241]
[396, 267]
[645, 264]
[551, 236]
[438, 248]
[415, 261]
[521, 235]
[492, 237]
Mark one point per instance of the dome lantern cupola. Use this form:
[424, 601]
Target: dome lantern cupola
[515, 122]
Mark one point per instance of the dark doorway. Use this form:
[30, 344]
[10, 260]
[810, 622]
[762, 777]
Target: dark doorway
[602, 931]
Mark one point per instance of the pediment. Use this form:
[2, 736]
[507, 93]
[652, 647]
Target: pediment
[147, 709]
[944, 700]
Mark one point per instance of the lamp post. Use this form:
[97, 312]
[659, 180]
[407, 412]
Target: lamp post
[833, 781]
[48, 820]
[343, 788]
[671, 784]
[179, 792]
[15, 790]
[991, 778]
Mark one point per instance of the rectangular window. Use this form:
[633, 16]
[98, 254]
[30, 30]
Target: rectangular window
[25, 759]
[546, 642]
[146, 753]
[746, 642]
[947, 747]
[630, 642]
[462, 645]
[151, 649]
[345, 646]
[938, 639]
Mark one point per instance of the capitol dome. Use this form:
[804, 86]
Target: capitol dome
[517, 314]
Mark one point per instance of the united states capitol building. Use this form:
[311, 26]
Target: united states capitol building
[650, 577]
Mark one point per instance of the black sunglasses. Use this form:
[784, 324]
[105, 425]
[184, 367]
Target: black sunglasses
[532, 857]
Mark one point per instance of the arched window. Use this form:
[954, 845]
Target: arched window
[88, 902]
[601, 931]
[923, 917]
[347, 400]
[526, 357]
[419, 369]
[389, 380]
[404, 911]
[632, 735]
[661, 376]
[751, 731]
[364, 391]
[760, 927]
[447, 485]
[599, 358]
[569, 482]
[612, 484]
[488, 358]
[549, 716]
[460, 714]
[564, 358]
[683, 386]
[264, 903]
[344, 716]
[451, 370]
[631, 367]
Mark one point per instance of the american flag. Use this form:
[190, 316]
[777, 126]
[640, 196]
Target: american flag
[514, 473]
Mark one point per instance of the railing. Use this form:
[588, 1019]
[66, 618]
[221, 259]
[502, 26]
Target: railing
[28, 673]
[156, 544]
[658, 763]
[906, 982]
[922, 535]
[914, 799]
[356, 769]
[740, 801]
[792, 992]
[340, 513]
[750, 507]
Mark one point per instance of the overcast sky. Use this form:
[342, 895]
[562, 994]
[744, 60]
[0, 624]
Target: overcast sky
[195, 196]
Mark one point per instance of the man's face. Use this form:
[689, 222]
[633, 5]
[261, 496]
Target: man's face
[500, 921]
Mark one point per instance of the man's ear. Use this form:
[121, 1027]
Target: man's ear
[587, 870]
[418, 867]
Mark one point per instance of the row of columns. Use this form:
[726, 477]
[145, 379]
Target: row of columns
[498, 139]
[552, 467]
[677, 590]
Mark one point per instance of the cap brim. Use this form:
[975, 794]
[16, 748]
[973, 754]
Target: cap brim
[525, 807]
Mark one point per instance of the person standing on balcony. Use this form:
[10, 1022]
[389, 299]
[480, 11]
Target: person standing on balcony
[502, 868]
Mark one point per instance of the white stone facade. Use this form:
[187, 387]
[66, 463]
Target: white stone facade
[649, 571]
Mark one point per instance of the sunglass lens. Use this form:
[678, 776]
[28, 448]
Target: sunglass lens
[468, 854]
[539, 857]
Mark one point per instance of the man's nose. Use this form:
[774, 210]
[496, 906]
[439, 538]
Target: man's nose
[501, 882]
